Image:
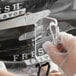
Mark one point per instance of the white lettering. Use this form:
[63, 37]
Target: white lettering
[12, 7]
[16, 57]
[24, 56]
[7, 9]
[40, 51]
[12, 14]
[33, 54]
[17, 6]
[31, 61]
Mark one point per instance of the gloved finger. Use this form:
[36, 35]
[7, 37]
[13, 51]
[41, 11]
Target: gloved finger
[67, 40]
[4, 73]
[53, 52]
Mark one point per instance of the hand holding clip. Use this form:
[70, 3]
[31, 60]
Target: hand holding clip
[67, 61]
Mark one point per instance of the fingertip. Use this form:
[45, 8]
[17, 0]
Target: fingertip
[67, 40]
[48, 47]
[65, 36]
[46, 44]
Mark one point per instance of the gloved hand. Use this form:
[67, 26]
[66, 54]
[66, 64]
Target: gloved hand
[5, 73]
[66, 60]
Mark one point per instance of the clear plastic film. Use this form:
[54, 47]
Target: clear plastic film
[23, 63]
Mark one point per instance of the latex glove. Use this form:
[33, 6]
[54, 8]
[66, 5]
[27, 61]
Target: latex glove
[5, 73]
[67, 61]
